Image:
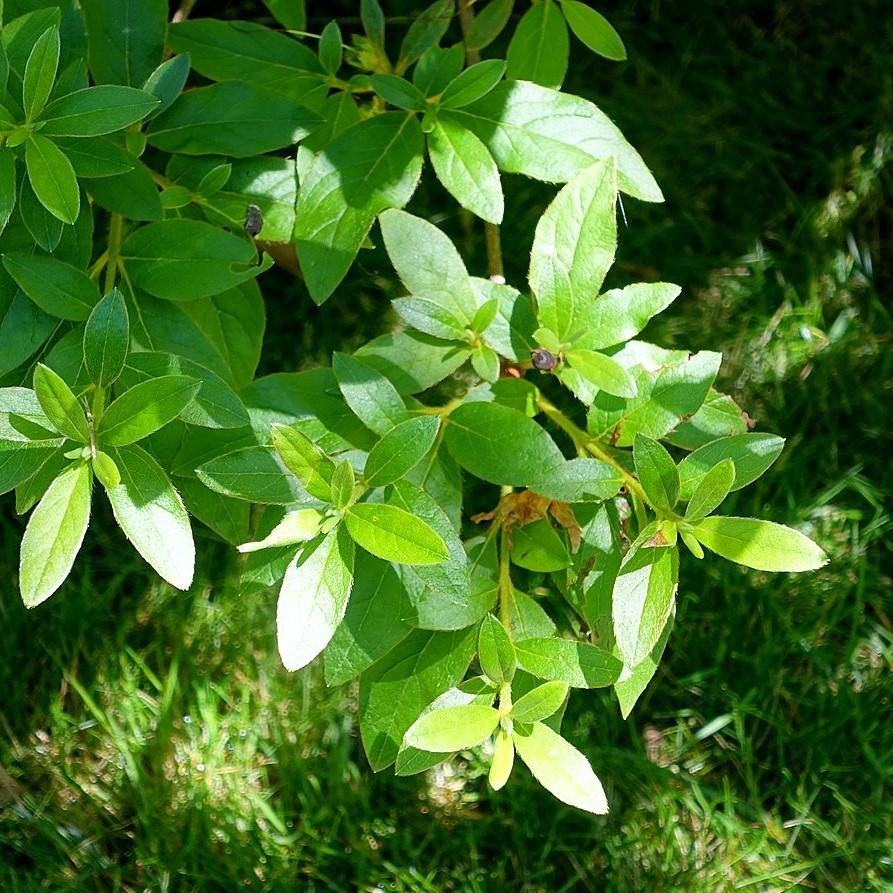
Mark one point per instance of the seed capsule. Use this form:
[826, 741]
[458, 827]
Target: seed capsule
[254, 220]
[543, 359]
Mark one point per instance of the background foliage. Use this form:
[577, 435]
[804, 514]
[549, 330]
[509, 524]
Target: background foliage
[155, 738]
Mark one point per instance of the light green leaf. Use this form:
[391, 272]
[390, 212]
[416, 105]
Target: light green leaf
[643, 599]
[751, 455]
[305, 460]
[578, 480]
[760, 544]
[343, 481]
[574, 248]
[711, 491]
[106, 470]
[430, 318]
[313, 598]
[52, 178]
[54, 534]
[106, 339]
[500, 445]
[368, 393]
[635, 680]
[539, 547]
[398, 91]
[495, 651]
[453, 728]
[40, 72]
[295, 527]
[657, 473]
[603, 372]
[183, 260]
[503, 760]
[145, 408]
[371, 166]
[394, 534]
[167, 81]
[60, 404]
[620, 314]
[594, 30]
[150, 512]
[719, 416]
[551, 136]
[437, 67]
[560, 768]
[472, 84]
[466, 169]
[539, 49]
[95, 111]
[428, 263]
[425, 31]
[400, 450]
[254, 473]
[576, 663]
[540, 702]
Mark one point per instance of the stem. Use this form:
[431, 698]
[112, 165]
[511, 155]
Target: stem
[505, 576]
[491, 231]
[116, 234]
[585, 442]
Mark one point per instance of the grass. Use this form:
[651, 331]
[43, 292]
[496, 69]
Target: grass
[149, 740]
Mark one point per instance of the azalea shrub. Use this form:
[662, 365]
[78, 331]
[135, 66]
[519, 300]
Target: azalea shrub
[152, 171]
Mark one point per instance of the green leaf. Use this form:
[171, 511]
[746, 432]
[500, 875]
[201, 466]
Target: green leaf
[560, 768]
[305, 460]
[574, 247]
[662, 401]
[183, 260]
[442, 594]
[60, 404]
[400, 450]
[711, 491]
[594, 30]
[751, 455]
[54, 534]
[425, 31]
[167, 81]
[7, 187]
[428, 263]
[24, 328]
[254, 473]
[430, 318]
[635, 680]
[643, 599]
[528, 619]
[760, 544]
[488, 24]
[105, 470]
[106, 339]
[603, 372]
[495, 651]
[620, 314]
[398, 91]
[657, 473]
[150, 512]
[466, 169]
[539, 49]
[538, 547]
[540, 702]
[371, 166]
[132, 194]
[575, 663]
[58, 288]
[503, 760]
[96, 156]
[45, 228]
[235, 119]
[22, 419]
[295, 527]
[330, 48]
[40, 72]
[719, 416]
[52, 178]
[21, 460]
[342, 484]
[414, 362]
[499, 444]
[378, 617]
[95, 111]
[125, 39]
[145, 408]
[551, 136]
[472, 84]
[368, 393]
[394, 534]
[398, 687]
[313, 598]
[453, 728]
[485, 362]
[579, 480]
[373, 20]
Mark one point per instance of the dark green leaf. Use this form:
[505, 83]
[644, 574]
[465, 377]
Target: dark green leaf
[132, 194]
[472, 84]
[330, 48]
[711, 491]
[488, 24]
[56, 287]
[579, 480]
[425, 31]
[751, 455]
[95, 111]
[106, 339]
[125, 39]
[539, 49]
[52, 178]
[7, 186]
[495, 651]
[254, 473]
[40, 72]
[96, 156]
[594, 30]
[398, 91]
[167, 81]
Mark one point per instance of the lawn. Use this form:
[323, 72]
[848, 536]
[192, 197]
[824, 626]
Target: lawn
[150, 739]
